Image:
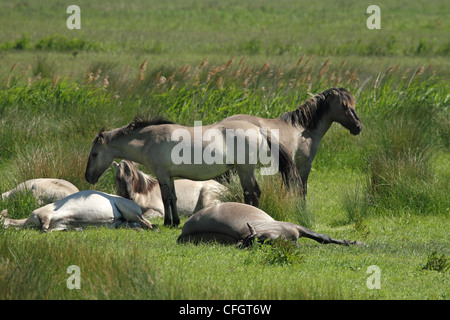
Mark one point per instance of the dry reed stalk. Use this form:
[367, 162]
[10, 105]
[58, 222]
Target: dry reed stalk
[89, 77]
[158, 75]
[203, 64]
[324, 69]
[332, 77]
[170, 79]
[8, 79]
[97, 74]
[55, 79]
[227, 65]
[142, 69]
[264, 67]
[354, 77]
[278, 74]
[305, 66]
[308, 76]
[419, 71]
[186, 72]
[246, 82]
[338, 78]
[308, 87]
[300, 60]
[389, 70]
[219, 82]
[13, 67]
[105, 82]
[241, 62]
[279, 84]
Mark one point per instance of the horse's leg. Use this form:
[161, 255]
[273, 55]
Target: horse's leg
[303, 187]
[45, 222]
[132, 213]
[165, 193]
[304, 168]
[173, 204]
[164, 181]
[323, 238]
[250, 186]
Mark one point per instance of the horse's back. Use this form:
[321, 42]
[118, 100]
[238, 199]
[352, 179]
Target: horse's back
[195, 195]
[87, 207]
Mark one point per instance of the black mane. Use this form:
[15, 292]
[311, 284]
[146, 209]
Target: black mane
[311, 112]
[137, 123]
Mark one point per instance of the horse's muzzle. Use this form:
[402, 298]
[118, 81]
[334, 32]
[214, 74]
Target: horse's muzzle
[356, 130]
[89, 178]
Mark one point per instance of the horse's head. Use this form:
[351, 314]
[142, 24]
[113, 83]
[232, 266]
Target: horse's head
[342, 109]
[100, 158]
[124, 179]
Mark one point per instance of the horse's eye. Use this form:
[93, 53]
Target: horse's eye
[94, 155]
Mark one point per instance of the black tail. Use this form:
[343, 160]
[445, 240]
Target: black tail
[286, 166]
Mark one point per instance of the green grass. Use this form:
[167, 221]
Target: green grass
[204, 60]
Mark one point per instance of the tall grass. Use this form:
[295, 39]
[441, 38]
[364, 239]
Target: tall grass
[279, 203]
[404, 115]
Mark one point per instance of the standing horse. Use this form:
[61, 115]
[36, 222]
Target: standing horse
[156, 144]
[133, 184]
[302, 129]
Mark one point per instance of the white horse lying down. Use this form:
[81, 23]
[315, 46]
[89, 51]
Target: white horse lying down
[240, 224]
[144, 190]
[44, 190]
[82, 209]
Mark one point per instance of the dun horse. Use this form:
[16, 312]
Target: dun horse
[241, 224]
[133, 184]
[152, 144]
[302, 129]
[82, 209]
[44, 190]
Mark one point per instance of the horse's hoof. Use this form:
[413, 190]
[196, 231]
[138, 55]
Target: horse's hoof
[358, 243]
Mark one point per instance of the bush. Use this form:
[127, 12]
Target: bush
[275, 252]
[436, 263]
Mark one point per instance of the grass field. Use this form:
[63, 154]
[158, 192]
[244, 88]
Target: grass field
[206, 60]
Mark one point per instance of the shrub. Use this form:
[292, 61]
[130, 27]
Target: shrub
[436, 263]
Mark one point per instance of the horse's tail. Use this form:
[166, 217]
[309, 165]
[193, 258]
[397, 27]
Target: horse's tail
[286, 165]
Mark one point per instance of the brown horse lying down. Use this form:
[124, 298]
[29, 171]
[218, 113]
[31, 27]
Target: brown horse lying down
[240, 224]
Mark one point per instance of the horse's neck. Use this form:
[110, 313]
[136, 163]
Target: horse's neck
[148, 187]
[150, 198]
[289, 131]
[321, 129]
[127, 147]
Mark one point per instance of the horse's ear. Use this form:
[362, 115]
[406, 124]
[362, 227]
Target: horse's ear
[100, 138]
[252, 230]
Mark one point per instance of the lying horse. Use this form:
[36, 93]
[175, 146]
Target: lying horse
[43, 190]
[240, 224]
[157, 144]
[82, 209]
[133, 184]
[302, 129]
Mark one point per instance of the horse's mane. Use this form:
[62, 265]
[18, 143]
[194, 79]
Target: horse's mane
[142, 183]
[137, 123]
[311, 112]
